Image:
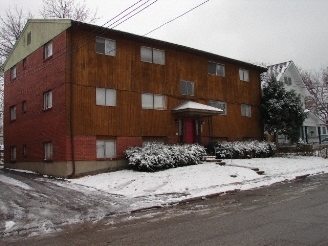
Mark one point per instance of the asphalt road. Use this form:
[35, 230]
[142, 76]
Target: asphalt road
[291, 213]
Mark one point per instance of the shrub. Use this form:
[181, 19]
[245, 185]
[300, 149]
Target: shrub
[154, 156]
[241, 150]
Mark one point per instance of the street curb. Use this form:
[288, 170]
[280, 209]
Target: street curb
[199, 198]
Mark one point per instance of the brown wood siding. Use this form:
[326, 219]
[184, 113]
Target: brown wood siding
[131, 77]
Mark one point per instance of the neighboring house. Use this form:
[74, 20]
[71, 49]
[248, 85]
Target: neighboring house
[313, 129]
[77, 95]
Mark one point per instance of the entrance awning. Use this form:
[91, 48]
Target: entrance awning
[193, 109]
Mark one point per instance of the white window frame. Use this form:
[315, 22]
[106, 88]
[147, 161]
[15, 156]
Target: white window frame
[244, 75]
[105, 97]
[48, 50]
[48, 151]
[220, 105]
[219, 69]
[184, 83]
[47, 100]
[13, 113]
[246, 110]
[323, 130]
[153, 101]
[152, 55]
[105, 149]
[13, 153]
[108, 46]
[13, 72]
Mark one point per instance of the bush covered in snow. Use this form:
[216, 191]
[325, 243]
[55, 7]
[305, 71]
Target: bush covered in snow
[155, 156]
[245, 149]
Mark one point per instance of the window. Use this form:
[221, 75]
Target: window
[13, 72]
[47, 100]
[106, 148]
[24, 151]
[288, 80]
[28, 38]
[12, 113]
[246, 110]
[13, 153]
[106, 46]
[323, 130]
[243, 75]
[24, 63]
[24, 107]
[186, 88]
[48, 154]
[152, 55]
[153, 101]
[216, 69]
[219, 105]
[48, 50]
[105, 97]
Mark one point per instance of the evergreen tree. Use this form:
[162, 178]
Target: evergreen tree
[282, 111]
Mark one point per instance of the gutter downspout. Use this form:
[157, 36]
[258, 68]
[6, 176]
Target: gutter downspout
[71, 104]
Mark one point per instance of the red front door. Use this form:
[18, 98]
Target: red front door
[189, 131]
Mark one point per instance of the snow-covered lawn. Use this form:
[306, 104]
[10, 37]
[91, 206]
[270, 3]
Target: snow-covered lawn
[176, 184]
[35, 204]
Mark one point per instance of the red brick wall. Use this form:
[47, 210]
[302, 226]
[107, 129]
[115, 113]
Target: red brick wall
[36, 126]
[84, 148]
[122, 143]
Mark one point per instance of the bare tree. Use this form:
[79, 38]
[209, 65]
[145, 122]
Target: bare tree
[68, 9]
[317, 85]
[11, 26]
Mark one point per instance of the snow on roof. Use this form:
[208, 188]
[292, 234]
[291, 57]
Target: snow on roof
[190, 105]
[279, 69]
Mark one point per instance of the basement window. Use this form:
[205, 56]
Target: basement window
[48, 152]
[106, 149]
[13, 153]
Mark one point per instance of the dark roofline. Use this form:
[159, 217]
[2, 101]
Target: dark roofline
[142, 39]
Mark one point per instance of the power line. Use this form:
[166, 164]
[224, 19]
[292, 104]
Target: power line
[87, 40]
[135, 13]
[177, 17]
[132, 12]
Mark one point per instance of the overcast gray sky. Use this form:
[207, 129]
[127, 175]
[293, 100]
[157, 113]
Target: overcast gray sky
[256, 31]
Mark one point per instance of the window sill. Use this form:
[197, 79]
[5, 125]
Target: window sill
[47, 109]
[107, 159]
